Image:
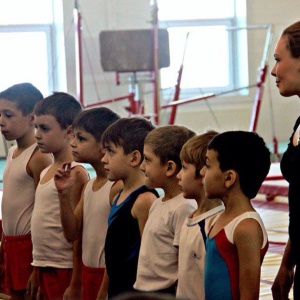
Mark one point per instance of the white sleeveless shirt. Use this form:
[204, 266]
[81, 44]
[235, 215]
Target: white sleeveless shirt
[50, 247]
[18, 193]
[96, 208]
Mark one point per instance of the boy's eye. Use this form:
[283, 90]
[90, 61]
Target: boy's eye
[45, 129]
[8, 115]
[107, 150]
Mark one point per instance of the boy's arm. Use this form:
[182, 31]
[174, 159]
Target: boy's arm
[70, 186]
[141, 207]
[102, 294]
[248, 238]
[115, 189]
[285, 277]
[32, 286]
[37, 163]
[75, 289]
[2, 268]
[179, 217]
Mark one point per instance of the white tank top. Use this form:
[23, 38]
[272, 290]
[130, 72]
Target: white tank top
[96, 208]
[18, 193]
[50, 247]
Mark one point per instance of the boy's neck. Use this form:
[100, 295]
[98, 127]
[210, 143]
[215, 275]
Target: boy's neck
[205, 205]
[99, 169]
[26, 141]
[171, 189]
[134, 180]
[236, 203]
[64, 155]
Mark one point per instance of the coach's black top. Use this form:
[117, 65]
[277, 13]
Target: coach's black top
[290, 168]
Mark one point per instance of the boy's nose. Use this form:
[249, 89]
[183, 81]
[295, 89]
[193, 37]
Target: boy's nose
[202, 171]
[142, 166]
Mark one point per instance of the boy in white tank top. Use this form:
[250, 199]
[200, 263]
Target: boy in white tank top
[237, 163]
[89, 221]
[52, 252]
[24, 164]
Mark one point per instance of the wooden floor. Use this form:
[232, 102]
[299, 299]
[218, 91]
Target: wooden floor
[275, 217]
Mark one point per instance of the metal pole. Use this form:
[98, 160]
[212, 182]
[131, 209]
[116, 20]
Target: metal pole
[156, 77]
[78, 52]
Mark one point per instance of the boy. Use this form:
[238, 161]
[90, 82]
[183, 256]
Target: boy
[21, 175]
[193, 233]
[91, 214]
[123, 142]
[52, 253]
[237, 163]
[158, 260]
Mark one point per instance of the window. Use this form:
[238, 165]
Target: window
[201, 38]
[27, 44]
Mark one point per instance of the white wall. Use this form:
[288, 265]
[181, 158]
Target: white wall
[232, 112]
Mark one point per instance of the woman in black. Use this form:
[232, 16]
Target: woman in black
[287, 73]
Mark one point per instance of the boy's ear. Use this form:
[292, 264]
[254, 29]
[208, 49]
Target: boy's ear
[230, 178]
[70, 130]
[31, 118]
[136, 158]
[171, 168]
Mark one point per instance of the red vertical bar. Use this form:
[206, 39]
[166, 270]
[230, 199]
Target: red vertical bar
[258, 98]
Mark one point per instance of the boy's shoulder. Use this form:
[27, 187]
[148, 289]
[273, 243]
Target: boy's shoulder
[244, 218]
[176, 205]
[144, 194]
[207, 218]
[143, 191]
[180, 201]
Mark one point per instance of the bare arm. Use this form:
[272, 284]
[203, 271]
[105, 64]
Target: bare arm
[75, 289]
[70, 185]
[285, 276]
[248, 238]
[102, 294]
[37, 163]
[141, 207]
[115, 189]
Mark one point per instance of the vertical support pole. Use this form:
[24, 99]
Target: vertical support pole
[261, 80]
[258, 98]
[156, 77]
[177, 87]
[78, 52]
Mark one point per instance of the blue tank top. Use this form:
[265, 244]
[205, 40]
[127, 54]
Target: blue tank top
[122, 244]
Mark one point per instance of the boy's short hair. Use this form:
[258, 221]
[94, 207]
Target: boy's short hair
[25, 95]
[62, 106]
[95, 121]
[194, 150]
[128, 133]
[166, 142]
[247, 154]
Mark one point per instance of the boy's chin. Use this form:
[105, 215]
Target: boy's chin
[150, 185]
[188, 196]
